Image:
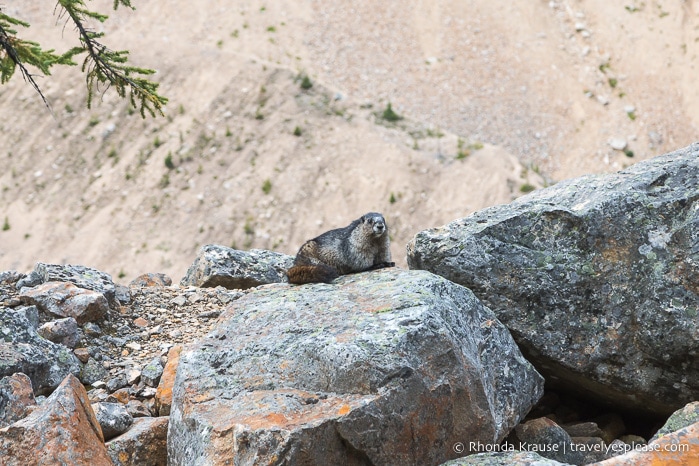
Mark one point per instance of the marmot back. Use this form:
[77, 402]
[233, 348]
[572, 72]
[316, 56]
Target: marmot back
[362, 245]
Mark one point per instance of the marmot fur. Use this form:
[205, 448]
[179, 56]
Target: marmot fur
[362, 245]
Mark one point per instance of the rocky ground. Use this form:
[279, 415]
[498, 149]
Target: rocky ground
[142, 330]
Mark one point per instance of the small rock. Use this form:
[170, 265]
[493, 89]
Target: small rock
[113, 418]
[221, 266]
[151, 279]
[618, 447]
[633, 441]
[83, 354]
[62, 331]
[93, 372]
[31, 280]
[117, 382]
[612, 426]
[10, 276]
[97, 394]
[137, 409]
[146, 392]
[583, 429]
[152, 372]
[140, 322]
[120, 396]
[592, 449]
[179, 300]
[149, 403]
[123, 294]
[133, 346]
[617, 143]
[545, 433]
[11, 302]
[133, 376]
[92, 329]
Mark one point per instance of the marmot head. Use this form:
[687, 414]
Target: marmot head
[376, 222]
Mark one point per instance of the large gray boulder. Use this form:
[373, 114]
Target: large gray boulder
[233, 269]
[23, 350]
[597, 278]
[385, 367]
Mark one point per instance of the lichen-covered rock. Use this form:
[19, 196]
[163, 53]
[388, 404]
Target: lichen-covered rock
[144, 444]
[151, 373]
[23, 350]
[597, 278]
[234, 269]
[679, 448]
[683, 417]
[93, 371]
[64, 299]
[16, 398]
[113, 418]
[62, 430]
[387, 367]
[117, 383]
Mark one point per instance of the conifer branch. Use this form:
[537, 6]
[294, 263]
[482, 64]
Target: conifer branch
[104, 66]
[15, 52]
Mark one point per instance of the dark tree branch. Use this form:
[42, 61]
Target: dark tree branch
[101, 65]
[6, 43]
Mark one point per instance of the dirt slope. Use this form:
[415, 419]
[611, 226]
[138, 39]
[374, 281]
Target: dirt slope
[530, 83]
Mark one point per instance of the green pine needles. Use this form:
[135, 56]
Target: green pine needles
[103, 67]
